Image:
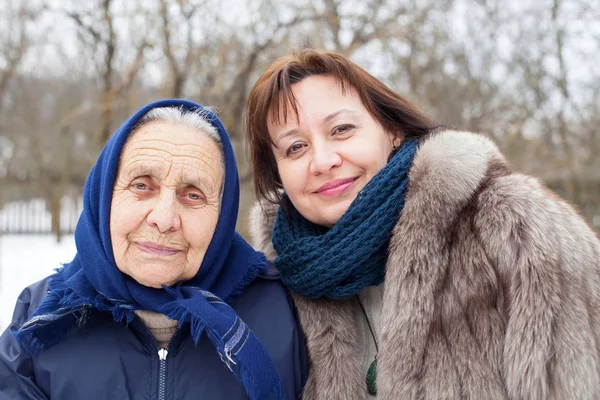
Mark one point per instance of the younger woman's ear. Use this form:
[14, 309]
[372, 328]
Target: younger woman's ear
[396, 141]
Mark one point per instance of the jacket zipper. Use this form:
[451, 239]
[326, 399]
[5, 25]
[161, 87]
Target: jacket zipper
[162, 375]
[162, 359]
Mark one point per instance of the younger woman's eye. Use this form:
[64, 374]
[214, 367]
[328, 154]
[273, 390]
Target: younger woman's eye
[342, 129]
[294, 149]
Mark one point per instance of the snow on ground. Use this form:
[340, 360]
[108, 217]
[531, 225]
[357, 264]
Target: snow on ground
[25, 260]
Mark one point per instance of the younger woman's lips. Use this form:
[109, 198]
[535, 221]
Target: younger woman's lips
[335, 187]
[156, 249]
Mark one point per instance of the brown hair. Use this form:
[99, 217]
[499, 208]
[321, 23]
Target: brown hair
[272, 95]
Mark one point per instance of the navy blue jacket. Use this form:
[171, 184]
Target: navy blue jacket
[103, 359]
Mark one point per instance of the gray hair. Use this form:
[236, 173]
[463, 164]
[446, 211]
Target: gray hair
[194, 119]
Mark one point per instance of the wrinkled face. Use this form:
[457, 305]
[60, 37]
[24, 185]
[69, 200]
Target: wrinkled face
[330, 153]
[165, 203]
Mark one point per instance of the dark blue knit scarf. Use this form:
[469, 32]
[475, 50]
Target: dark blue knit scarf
[92, 279]
[340, 262]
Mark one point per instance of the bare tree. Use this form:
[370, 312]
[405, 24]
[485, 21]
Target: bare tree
[505, 69]
[97, 31]
[14, 39]
[52, 155]
[181, 56]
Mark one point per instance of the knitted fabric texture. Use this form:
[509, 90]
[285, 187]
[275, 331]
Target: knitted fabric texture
[340, 262]
[92, 279]
[159, 325]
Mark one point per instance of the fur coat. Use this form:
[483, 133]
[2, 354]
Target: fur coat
[492, 289]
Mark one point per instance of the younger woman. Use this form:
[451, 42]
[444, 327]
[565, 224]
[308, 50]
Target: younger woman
[423, 266]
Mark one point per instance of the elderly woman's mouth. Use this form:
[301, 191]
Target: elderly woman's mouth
[156, 249]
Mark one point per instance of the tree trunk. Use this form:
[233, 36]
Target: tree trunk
[55, 213]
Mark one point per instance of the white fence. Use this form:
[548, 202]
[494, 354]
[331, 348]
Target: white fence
[33, 217]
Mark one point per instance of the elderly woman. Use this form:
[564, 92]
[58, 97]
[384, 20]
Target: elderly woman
[163, 298]
[423, 266]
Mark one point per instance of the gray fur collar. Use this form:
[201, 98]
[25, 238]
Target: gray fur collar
[449, 328]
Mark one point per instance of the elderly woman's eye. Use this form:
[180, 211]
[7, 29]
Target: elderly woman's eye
[139, 186]
[194, 196]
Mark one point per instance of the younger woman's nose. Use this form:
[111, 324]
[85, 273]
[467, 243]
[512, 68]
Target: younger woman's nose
[324, 158]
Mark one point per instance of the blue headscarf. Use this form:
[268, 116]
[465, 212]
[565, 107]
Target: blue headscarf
[92, 279]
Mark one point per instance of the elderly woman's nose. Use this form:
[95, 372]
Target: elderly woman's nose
[164, 214]
[324, 157]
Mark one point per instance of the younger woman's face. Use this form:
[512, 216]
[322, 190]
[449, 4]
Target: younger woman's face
[330, 153]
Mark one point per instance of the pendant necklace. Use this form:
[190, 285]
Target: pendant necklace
[371, 377]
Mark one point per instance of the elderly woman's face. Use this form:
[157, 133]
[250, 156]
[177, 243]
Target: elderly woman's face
[165, 203]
